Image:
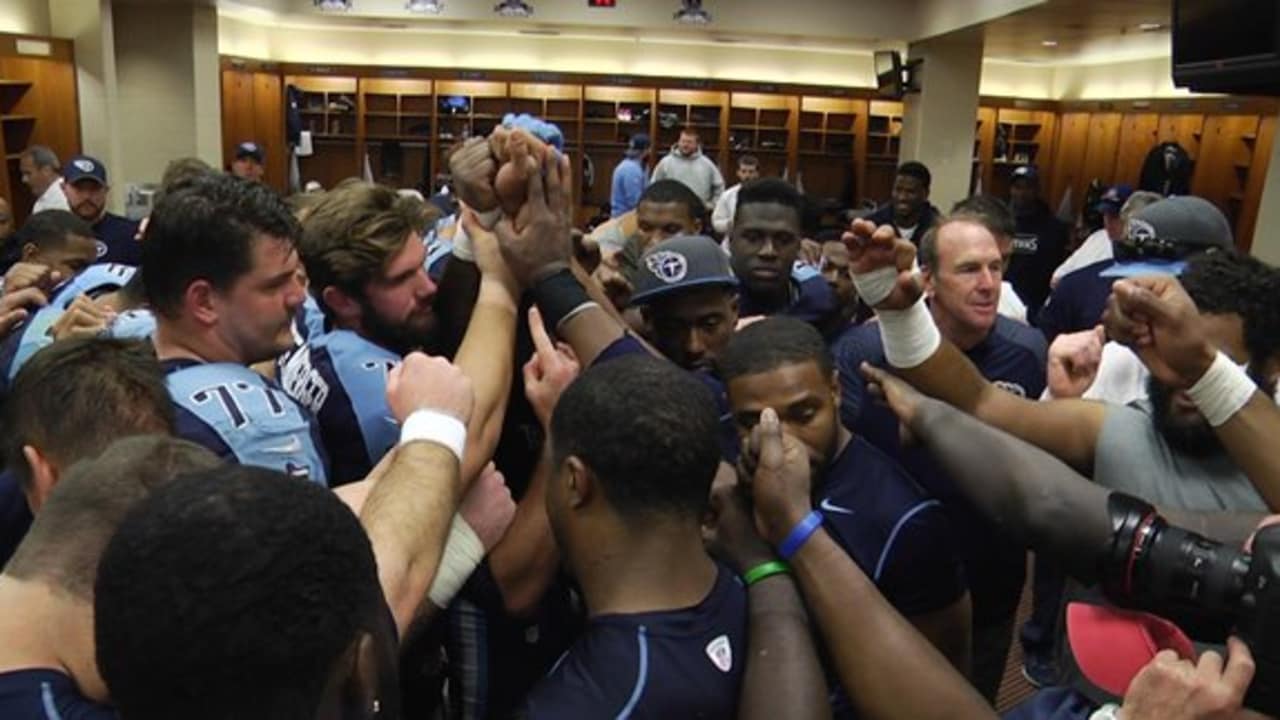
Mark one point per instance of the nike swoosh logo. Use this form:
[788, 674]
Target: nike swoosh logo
[826, 505]
[292, 447]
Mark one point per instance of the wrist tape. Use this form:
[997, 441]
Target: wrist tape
[909, 336]
[1222, 391]
[463, 551]
[435, 426]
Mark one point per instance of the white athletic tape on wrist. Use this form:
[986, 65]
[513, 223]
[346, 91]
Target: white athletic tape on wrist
[909, 336]
[1223, 389]
[435, 426]
[462, 248]
[873, 287]
[463, 551]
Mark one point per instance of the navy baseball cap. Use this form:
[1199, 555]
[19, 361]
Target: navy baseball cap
[681, 263]
[249, 150]
[82, 167]
[1025, 172]
[1113, 199]
[638, 142]
[1160, 237]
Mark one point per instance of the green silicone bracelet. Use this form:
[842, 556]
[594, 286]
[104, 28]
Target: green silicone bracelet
[764, 570]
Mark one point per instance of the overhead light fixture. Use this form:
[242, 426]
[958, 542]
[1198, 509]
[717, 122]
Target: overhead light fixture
[1150, 26]
[332, 5]
[426, 7]
[1049, 43]
[514, 8]
[691, 13]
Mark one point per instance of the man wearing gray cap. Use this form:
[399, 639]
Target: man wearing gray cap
[688, 298]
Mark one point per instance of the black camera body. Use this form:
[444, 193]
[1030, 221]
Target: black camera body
[1209, 589]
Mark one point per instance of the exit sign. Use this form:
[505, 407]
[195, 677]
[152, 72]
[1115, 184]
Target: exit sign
[602, 3]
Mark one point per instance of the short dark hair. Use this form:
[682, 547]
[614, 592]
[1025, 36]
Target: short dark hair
[182, 171]
[205, 230]
[75, 397]
[989, 210]
[771, 190]
[674, 191]
[748, 161]
[232, 593]
[1230, 283]
[50, 229]
[647, 429]
[771, 343]
[917, 170]
[69, 534]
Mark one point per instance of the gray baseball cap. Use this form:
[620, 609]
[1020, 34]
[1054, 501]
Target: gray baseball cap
[681, 263]
[1160, 237]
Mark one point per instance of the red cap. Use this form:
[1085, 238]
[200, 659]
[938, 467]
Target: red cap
[1111, 645]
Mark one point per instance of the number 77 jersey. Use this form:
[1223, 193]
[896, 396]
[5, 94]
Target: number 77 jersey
[245, 418]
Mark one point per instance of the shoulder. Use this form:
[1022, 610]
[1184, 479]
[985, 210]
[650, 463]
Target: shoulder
[865, 476]
[861, 342]
[42, 694]
[1022, 337]
[596, 677]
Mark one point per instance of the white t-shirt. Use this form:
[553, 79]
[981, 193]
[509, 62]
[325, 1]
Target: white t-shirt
[726, 206]
[907, 233]
[1011, 306]
[1096, 248]
[52, 199]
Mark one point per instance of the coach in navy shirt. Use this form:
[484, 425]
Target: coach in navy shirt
[86, 189]
[634, 451]
[962, 273]
[897, 534]
[763, 250]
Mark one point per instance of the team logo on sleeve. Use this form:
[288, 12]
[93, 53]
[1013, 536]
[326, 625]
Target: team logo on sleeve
[101, 247]
[1011, 387]
[669, 267]
[720, 651]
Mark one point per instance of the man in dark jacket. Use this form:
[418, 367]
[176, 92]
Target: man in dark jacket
[909, 210]
[1040, 244]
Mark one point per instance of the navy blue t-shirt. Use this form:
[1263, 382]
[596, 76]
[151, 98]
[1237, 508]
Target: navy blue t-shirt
[1013, 357]
[1078, 301]
[811, 298]
[118, 236]
[674, 664]
[15, 516]
[44, 694]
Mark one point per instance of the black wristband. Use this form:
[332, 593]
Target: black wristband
[558, 295]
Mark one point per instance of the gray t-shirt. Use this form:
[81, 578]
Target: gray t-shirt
[1134, 458]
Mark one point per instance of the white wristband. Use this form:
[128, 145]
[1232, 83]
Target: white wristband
[435, 426]
[909, 336]
[1223, 389]
[873, 287]
[462, 248]
[463, 551]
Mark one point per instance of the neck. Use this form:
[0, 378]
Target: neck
[910, 220]
[661, 567]
[774, 299]
[962, 336]
[46, 628]
[172, 343]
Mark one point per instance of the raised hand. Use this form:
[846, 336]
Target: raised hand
[1156, 317]
[422, 382]
[1074, 360]
[780, 478]
[883, 266]
[83, 318]
[488, 507]
[473, 167]
[24, 275]
[549, 371]
[901, 398]
[13, 307]
[538, 243]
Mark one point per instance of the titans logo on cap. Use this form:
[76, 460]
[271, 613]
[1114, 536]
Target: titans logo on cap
[1140, 230]
[669, 267]
[84, 165]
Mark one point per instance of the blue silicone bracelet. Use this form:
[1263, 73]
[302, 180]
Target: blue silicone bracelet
[799, 535]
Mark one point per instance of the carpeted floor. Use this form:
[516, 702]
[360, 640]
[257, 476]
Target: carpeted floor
[1015, 688]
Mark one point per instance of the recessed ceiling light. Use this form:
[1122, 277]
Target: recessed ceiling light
[513, 8]
[333, 5]
[426, 7]
[1049, 43]
[1149, 27]
[691, 13]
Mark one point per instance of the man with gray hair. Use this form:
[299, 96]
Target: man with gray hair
[42, 173]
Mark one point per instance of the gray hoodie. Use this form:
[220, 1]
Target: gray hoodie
[697, 171]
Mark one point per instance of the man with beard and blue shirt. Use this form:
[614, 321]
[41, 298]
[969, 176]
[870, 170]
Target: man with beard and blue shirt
[634, 455]
[763, 249]
[1157, 234]
[1040, 244]
[86, 188]
[221, 276]
[961, 267]
[894, 531]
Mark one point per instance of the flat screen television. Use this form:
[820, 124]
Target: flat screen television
[888, 65]
[1230, 46]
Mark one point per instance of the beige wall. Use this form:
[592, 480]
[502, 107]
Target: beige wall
[30, 17]
[1145, 78]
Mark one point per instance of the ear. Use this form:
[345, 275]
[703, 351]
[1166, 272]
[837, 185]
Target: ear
[926, 274]
[581, 483]
[735, 308]
[199, 301]
[344, 307]
[697, 227]
[44, 475]
[360, 688]
[835, 387]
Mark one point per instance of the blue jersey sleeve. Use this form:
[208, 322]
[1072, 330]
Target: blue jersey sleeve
[252, 418]
[918, 570]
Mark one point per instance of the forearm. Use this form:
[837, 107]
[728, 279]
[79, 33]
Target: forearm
[455, 299]
[525, 561]
[407, 515]
[783, 675]
[486, 357]
[1022, 489]
[887, 668]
